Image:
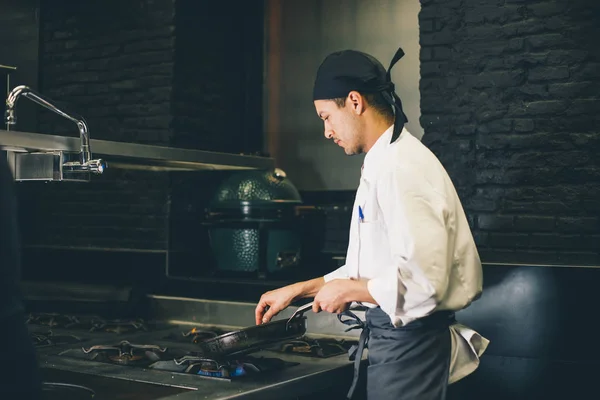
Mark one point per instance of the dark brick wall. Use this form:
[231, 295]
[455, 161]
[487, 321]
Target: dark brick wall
[122, 210]
[19, 43]
[510, 104]
[111, 62]
[165, 72]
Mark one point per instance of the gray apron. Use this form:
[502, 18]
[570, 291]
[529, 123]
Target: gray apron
[407, 363]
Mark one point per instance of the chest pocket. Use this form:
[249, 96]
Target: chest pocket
[373, 247]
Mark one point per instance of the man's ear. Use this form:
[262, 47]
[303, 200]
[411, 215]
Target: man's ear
[356, 102]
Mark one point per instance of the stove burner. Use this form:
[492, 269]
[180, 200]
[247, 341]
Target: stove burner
[118, 326]
[125, 353]
[199, 335]
[190, 359]
[321, 348]
[93, 323]
[207, 367]
[125, 358]
[53, 320]
[195, 335]
[224, 369]
[49, 339]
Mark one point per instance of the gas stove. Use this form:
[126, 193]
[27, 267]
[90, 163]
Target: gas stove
[85, 355]
[175, 352]
[151, 346]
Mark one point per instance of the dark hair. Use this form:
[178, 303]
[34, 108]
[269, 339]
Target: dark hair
[375, 100]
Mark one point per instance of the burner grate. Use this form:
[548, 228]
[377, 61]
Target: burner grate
[225, 369]
[53, 320]
[50, 339]
[118, 326]
[125, 353]
[122, 353]
[94, 323]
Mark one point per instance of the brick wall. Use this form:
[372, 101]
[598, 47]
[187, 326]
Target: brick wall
[150, 71]
[510, 104]
[116, 70]
[19, 43]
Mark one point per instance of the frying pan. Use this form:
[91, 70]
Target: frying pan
[256, 337]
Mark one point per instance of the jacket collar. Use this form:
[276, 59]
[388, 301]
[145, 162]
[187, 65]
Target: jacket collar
[376, 156]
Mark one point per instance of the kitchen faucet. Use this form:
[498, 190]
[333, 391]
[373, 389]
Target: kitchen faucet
[85, 163]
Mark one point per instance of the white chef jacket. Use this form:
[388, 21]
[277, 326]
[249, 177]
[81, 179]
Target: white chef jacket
[413, 243]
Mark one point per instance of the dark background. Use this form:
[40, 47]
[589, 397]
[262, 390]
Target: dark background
[509, 103]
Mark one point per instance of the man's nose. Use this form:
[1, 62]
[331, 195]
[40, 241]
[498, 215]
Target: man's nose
[328, 133]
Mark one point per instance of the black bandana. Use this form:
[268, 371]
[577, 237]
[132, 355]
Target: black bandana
[344, 71]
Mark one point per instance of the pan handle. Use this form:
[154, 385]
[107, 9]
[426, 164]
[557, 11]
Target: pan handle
[299, 312]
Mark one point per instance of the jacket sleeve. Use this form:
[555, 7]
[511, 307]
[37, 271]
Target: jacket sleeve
[340, 273]
[415, 219]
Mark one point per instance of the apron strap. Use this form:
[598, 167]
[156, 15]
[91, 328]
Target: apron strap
[355, 352]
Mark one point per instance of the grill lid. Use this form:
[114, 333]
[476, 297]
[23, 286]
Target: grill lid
[257, 188]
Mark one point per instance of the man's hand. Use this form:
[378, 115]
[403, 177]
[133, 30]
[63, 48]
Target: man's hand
[333, 297]
[271, 303]
[337, 295]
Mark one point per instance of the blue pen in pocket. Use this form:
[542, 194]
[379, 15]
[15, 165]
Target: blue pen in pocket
[361, 216]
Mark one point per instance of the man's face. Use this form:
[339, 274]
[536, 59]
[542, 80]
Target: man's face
[341, 125]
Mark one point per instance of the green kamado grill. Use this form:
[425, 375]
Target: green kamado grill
[252, 223]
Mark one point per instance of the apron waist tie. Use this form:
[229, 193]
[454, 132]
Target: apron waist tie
[355, 352]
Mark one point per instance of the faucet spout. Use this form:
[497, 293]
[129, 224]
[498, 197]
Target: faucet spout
[27, 92]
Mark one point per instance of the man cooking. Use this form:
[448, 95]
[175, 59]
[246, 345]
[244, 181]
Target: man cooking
[411, 259]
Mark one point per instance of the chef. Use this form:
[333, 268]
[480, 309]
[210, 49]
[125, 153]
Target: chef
[20, 378]
[411, 260]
